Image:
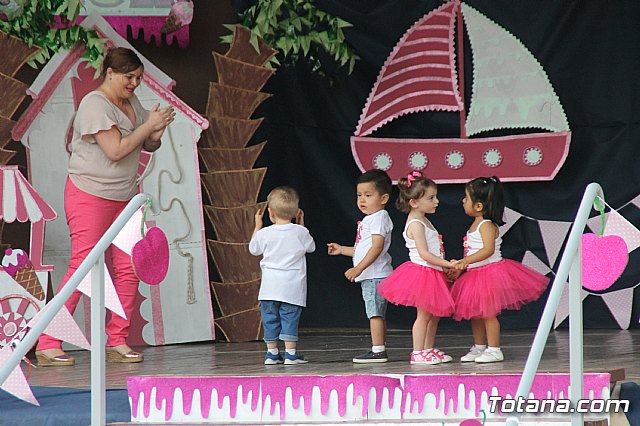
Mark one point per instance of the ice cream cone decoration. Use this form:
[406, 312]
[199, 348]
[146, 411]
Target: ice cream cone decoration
[181, 14]
[17, 264]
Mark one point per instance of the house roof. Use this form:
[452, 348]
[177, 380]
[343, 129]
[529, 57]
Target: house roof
[62, 62]
[18, 199]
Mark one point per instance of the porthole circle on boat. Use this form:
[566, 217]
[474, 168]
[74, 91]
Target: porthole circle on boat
[532, 156]
[492, 157]
[382, 161]
[418, 160]
[454, 159]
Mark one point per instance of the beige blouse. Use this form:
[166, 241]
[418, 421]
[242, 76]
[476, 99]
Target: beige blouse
[89, 168]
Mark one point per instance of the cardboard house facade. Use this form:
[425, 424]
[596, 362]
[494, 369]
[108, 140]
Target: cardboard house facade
[179, 309]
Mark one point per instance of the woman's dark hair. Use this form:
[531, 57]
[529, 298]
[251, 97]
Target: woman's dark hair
[412, 187]
[121, 60]
[488, 191]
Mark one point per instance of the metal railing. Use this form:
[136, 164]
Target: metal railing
[571, 267]
[94, 262]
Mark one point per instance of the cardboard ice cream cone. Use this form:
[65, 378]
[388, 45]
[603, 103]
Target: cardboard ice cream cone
[28, 279]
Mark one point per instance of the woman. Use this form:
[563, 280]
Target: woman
[110, 129]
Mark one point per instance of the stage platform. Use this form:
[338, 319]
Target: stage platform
[236, 370]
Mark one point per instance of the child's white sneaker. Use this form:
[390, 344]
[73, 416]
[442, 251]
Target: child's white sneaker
[424, 358]
[441, 355]
[490, 355]
[474, 353]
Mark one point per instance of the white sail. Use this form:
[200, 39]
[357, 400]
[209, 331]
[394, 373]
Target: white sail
[510, 88]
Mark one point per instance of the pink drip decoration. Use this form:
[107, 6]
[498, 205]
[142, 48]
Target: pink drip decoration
[417, 387]
[443, 387]
[302, 387]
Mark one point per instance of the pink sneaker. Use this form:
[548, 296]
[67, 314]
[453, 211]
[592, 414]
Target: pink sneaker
[424, 359]
[441, 355]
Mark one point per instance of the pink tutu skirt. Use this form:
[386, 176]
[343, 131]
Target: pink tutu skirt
[416, 285]
[485, 291]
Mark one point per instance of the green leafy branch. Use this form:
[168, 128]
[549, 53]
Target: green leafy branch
[51, 25]
[298, 29]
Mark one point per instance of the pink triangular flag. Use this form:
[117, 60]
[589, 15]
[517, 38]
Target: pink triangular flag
[636, 201]
[16, 384]
[553, 234]
[620, 303]
[63, 327]
[563, 307]
[532, 261]
[510, 217]
[595, 223]
[618, 225]
[130, 234]
[111, 299]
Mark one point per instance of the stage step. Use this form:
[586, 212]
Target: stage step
[428, 399]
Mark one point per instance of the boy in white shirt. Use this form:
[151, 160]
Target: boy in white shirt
[283, 289]
[371, 261]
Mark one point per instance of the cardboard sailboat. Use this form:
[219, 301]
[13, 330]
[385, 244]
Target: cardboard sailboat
[510, 90]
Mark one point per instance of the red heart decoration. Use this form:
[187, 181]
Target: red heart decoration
[603, 260]
[150, 257]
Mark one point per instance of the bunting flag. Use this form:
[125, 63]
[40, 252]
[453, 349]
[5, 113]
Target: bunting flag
[595, 223]
[619, 304]
[111, 299]
[130, 234]
[16, 384]
[510, 217]
[553, 235]
[532, 261]
[636, 201]
[63, 327]
[618, 225]
[563, 307]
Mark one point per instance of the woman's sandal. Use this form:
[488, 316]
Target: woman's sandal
[130, 357]
[54, 361]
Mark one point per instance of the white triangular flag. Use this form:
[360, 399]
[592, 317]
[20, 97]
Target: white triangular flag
[618, 225]
[595, 223]
[553, 234]
[16, 384]
[620, 303]
[62, 327]
[130, 234]
[532, 261]
[510, 217]
[636, 201]
[111, 299]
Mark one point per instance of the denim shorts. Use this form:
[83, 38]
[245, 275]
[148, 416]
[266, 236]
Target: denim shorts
[280, 320]
[374, 303]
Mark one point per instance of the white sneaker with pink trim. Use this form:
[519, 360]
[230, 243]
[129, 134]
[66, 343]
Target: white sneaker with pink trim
[424, 358]
[441, 355]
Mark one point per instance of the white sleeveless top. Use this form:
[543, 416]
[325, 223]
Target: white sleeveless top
[434, 244]
[473, 243]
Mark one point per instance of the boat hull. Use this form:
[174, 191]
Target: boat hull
[529, 157]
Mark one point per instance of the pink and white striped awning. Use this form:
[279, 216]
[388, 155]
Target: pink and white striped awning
[18, 199]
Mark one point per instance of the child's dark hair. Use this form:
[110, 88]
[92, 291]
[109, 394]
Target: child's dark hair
[379, 178]
[412, 187]
[488, 191]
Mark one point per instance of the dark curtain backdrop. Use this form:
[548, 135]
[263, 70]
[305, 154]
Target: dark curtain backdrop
[589, 49]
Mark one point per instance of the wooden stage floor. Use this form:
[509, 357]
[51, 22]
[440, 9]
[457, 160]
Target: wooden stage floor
[330, 352]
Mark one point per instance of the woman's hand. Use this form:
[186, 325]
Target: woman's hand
[159, 119]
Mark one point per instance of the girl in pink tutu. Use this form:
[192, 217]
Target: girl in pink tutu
[421, 282]
[490, 283]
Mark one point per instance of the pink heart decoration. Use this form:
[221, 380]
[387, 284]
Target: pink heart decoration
[603, 260]
[150, 257]
[471, 422]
